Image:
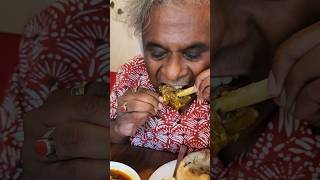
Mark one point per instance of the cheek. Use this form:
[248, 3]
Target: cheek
[152, 68]
[198, 67]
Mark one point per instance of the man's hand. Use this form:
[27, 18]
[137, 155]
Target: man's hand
[80, 137]
[134, 108]
[295, 76]
[202, 85]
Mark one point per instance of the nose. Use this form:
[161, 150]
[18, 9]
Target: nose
[173, 68]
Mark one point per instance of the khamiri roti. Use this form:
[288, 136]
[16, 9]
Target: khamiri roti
[195, 166]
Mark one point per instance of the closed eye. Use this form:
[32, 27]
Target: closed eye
[194, 52]
[156, 51]
[159, 54]
[191, 55]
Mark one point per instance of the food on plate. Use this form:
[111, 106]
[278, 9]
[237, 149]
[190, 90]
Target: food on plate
[116, 174]
[195, 166]
[170, 97]
[233, 112]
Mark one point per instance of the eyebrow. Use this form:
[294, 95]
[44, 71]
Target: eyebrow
[151, 45]
[197, 45]
[200, 46]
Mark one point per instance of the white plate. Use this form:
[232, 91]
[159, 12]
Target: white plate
[165, 172]
[125, 168]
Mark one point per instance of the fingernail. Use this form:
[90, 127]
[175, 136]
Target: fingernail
[283, 98]
[160, 106]
[293, 108]
[273, 88]
[160, 99]
[195, 89]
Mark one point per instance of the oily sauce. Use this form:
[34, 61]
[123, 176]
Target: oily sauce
[116, 174]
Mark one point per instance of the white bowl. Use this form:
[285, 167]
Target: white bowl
[125, 168]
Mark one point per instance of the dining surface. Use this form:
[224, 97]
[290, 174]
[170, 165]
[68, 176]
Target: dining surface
[143, 160]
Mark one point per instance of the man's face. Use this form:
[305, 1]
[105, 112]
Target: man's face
[246, 34]
[177, 44]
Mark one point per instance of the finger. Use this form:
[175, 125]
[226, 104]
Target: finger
[77, 169]
[92, 109]
[126, 129]
[289, 53]
[97, 89]
[135, 129]
[203, 75]
[133, 117]
[204, 84]
[142, 97]
[308, 102]
[32, 125]
[81, 140]
[128, 123]
[140, 106]
[151, 93]
[206, 94]
[304, 71]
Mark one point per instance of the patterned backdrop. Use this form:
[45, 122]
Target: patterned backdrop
[66, 44]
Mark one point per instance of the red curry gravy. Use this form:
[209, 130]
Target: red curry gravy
[116, 174]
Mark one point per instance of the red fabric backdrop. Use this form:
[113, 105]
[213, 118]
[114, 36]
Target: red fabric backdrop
[112, 79]
[9, 55]
[9, 48]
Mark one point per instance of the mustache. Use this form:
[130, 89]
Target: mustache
[181, 81]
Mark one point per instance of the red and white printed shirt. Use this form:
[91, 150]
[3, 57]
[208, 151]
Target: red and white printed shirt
[285, 150]
[168, 129]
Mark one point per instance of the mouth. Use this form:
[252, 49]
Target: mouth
[223, 84]
[176, 86]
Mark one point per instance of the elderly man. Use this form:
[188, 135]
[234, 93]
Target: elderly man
[176, 43]
[279, 40]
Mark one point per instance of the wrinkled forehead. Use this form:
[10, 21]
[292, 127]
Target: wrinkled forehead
[179, 24]
[174, 15]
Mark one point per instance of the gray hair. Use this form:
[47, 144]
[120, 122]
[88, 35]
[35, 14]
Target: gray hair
[138, 12]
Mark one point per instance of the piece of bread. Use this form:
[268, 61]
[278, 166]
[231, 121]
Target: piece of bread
[195, 166]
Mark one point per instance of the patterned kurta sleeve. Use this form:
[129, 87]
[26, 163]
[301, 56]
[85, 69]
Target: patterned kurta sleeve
[66, 44]
[128, 77]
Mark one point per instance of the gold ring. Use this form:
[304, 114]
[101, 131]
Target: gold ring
[45, 146]
[124, 107]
